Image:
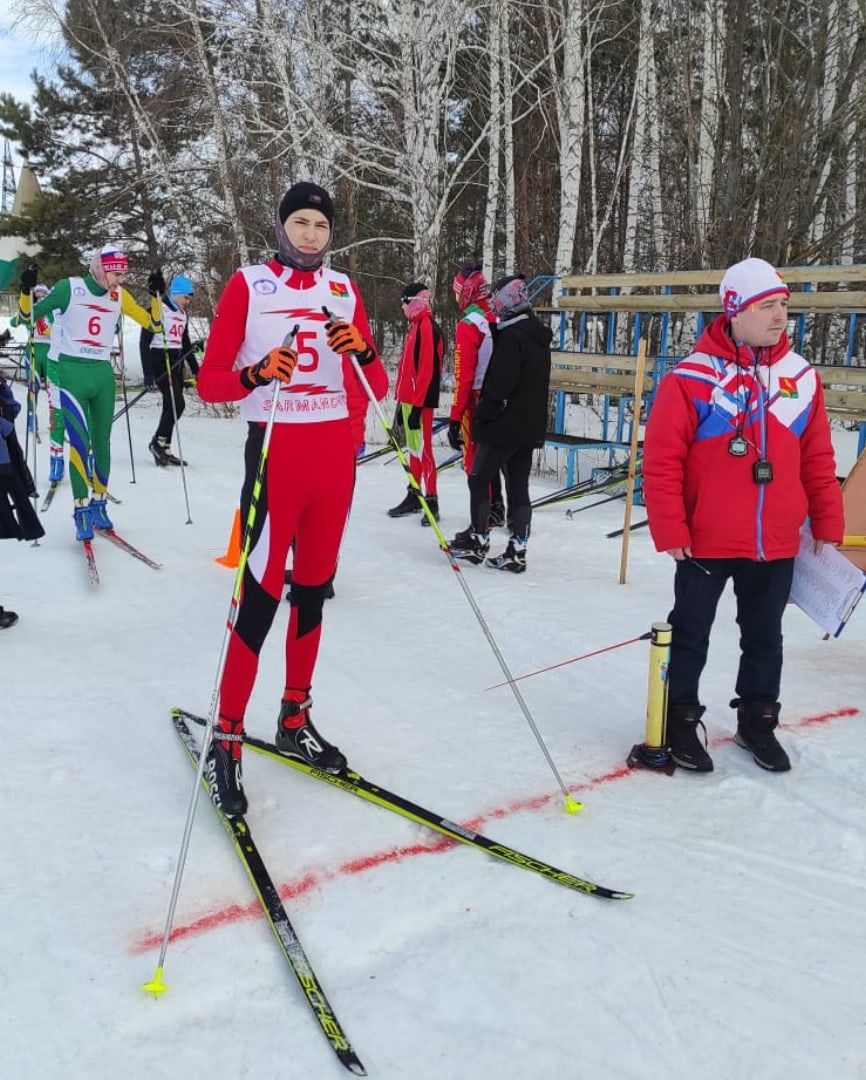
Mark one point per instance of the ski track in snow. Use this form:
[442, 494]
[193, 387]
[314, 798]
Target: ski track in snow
[741, 954]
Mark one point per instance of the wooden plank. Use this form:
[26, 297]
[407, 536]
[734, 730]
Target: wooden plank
[632, 459]
[841, 375]
[841, 302]
[594, 382]
[598, 361]
[791, 275]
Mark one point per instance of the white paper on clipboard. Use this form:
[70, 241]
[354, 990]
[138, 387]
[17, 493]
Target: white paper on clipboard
[827, 587]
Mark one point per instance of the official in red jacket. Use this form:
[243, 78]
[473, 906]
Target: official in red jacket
[737, 454]
[310, 473]
[418, 379]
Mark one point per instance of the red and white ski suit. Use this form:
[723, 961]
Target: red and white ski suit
[310, 473]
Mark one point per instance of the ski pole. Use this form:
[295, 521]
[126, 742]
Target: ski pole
[157, 985]
[574, 659]
[572, 806]
[168, 375]
[32, 398]
[125, 398]
[589, 506]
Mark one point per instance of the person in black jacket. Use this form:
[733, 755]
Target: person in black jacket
[18, 519]
[168, 352]
[510, 421]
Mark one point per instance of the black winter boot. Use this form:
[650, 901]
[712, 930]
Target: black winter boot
[409, 505]
[756, 725]
[513, 558]
[304, 742]
[683, 741]
[433, 502]
[222, 773]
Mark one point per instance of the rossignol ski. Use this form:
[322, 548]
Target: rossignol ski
[272, 905]
[358, 785]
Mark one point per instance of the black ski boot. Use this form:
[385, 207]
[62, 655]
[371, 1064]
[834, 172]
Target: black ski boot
[304, 742]
[433, 502]
[222, 772]
[409, 505]
[496, 516]
[471, 546]
[171, 458]
[513, 558]
[157, 448]
[756, 725]
[7, 619]
[683, 740]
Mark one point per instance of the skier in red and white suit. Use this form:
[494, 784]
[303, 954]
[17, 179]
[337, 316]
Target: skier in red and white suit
[310, 473]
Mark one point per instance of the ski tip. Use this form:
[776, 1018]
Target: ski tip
[572, 806]
[353, 1064]
[156, 986]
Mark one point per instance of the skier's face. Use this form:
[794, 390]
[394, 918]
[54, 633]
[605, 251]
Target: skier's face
[114, 278]
[761, 324]
[182, 302]
[308, 230]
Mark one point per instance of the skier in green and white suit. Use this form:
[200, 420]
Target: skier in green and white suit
[48, 372]
[86, 315]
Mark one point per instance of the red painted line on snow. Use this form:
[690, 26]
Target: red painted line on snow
[290, 890]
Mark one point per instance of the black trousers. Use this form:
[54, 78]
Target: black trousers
[762, 590]
[165, 427]
[515, 463]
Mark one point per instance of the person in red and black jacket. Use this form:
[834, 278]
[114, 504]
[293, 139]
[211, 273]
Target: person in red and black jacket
[418, 379]
[737, 454]
[310, 474]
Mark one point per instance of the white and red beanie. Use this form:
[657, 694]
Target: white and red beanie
[747, 282]
[109, 258]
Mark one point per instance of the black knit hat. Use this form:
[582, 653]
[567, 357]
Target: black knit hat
[306, 196]
[411, 290]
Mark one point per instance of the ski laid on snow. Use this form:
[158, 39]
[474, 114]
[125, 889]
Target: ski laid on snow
[356, 784]
[272, 905]
[92, 571]
[125, 545]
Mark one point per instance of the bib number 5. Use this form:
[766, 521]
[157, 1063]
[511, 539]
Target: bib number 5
[304, 349]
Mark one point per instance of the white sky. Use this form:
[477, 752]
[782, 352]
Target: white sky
[19, 55]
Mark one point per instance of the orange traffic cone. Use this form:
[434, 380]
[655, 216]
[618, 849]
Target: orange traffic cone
[233, 556]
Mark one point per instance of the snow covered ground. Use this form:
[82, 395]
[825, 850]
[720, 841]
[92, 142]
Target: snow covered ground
[741, 955]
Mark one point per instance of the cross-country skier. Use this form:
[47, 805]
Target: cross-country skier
[86, 315]
[174, 341]
[510, 421]
[473, 346]
[307, 487]
[45, 352]
[417, 393]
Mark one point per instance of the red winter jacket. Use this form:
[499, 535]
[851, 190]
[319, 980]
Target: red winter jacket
[420, 369]
[699, 495]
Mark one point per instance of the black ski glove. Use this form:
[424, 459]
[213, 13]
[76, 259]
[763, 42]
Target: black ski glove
[29, 278]
[155, 283]
[414, 419]
[455, 436]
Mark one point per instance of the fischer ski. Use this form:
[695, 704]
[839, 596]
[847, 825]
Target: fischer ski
[272, 906]
[92, 571]
[358, 785]
[125, 545]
